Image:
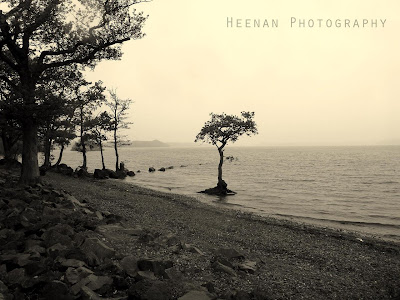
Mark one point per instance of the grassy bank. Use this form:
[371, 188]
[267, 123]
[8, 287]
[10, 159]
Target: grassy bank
[291, 260]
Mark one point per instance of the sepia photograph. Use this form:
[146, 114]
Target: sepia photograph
[199, 150]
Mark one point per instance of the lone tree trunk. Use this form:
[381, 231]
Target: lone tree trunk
[84, 164]
[116, 150]
[102, 156]
[30, 166]
[60, 155]
[47, 151]
[221, 183]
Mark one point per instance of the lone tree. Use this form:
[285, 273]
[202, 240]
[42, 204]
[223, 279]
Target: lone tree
[220, 130]
[101, 125]
[38, 36]
[119, 108]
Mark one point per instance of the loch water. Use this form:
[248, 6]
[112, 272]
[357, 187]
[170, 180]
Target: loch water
[352, 188]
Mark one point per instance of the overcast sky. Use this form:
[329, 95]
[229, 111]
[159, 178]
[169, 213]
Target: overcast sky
[307, 86]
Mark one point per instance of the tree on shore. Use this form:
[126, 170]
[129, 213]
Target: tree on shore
[101, 125]
[221, 130]
[87, 101]
[38, 36]
[118, 109]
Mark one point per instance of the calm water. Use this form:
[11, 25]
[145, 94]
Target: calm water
[355, 188]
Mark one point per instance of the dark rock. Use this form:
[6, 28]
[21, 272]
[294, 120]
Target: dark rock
[53, 236]
[210, 287]
[120, 283]
[170, 168]
[96, 251]
[88, 294]
[174, 274]
[57, 250]
[217, 266]
[151, 169]
[111, 173]
[56, 290]
[74, 263]
[100, 174]
[156, 266]
[121, 174]
[131, 173]
[16, 276]
[138, 290]
[241, 295]
[35, 268]
[220, 190]
[196, 295]
[162, 169]
[228, 253]
[150, 290]
[97, 283]
[65, 170]
[159, 291]
[74, 275]
[148, 275]
[129, 265]
[81, 172]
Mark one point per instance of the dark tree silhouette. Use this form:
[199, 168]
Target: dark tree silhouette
[221, 130]
[37, 36]
[87, 100]
[118, 109]
[101, 125]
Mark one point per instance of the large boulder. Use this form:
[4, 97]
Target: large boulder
[64, 169]
[100, 174]
[96, 251]
[151, 169]
[121, 174]
[82, 172]
[111, 173]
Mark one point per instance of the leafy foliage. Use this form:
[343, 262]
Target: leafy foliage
[223, 128]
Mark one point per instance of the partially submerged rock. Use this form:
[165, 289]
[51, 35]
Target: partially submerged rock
[220, 190]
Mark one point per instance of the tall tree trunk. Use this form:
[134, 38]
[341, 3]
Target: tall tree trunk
[60, 155]
[102, 156]
[84, 164]
[47, 151]
[30, 166]
[116, 150]
[221, 162]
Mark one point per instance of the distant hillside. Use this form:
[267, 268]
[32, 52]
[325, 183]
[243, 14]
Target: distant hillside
[155, 143]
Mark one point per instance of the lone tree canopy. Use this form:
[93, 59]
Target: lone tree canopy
[38, 36]
[221, 130]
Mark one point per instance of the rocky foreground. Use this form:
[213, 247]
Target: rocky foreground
[92, 239]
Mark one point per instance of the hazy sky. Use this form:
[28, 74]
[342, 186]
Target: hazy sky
[307, 86]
